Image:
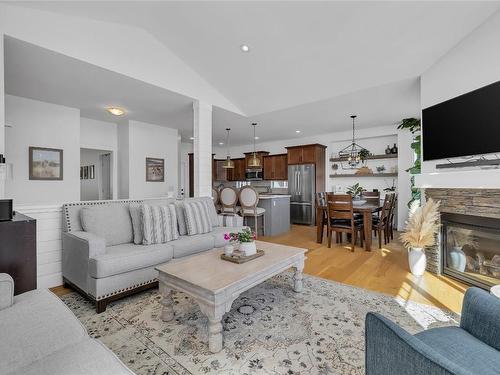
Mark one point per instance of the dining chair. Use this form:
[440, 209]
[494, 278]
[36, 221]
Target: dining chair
[380, 224]
[371, 195]
[229, 200]
[216, 199]
[392, 214]
[341, 218]
[321, 202]
[249, 198]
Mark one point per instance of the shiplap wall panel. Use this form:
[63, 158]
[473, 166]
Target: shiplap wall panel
[48, 243]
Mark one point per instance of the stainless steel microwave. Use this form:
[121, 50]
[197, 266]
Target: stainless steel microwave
[254, 175]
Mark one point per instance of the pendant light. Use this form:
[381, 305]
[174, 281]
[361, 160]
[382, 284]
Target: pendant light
[254, 161]
[228, 163]
[350, 156]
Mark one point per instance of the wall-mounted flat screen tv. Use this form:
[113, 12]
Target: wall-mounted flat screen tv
[463, 126]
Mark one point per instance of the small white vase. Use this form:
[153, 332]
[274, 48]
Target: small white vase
[248, 248]
[456, 258]
[228, 249]
[417, 260]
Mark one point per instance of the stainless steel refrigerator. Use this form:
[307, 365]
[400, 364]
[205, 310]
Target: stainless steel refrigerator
[302, 186]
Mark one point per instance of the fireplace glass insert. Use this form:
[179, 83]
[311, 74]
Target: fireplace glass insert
[470, 247]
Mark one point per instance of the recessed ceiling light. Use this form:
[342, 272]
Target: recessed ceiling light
[191, 138]
[257, 137]
[244, 48]
[116, 111]
[297, 131]
[221, 143]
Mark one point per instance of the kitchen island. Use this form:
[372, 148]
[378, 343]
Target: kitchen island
[277, 214]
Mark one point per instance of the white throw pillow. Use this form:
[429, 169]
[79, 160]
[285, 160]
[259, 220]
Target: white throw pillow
[135, 214]
[197, 217]
[159, 224]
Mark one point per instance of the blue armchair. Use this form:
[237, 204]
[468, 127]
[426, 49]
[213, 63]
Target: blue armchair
[473, 348]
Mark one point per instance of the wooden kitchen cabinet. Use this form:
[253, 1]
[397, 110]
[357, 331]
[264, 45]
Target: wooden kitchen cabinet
[305, 154]
[275, 167]
[238, 173]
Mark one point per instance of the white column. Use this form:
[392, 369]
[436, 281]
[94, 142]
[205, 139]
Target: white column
[2, 118]
[202, 149]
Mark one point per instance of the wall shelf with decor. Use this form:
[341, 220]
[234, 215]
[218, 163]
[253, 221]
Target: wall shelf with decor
[371, 157]
[364, 175]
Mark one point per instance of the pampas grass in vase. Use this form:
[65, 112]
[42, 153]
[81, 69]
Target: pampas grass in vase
[420, 232]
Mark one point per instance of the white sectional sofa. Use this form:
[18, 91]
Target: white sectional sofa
[39, 335]
[105, 272]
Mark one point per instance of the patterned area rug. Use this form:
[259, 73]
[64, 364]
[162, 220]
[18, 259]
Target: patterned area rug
[269, 330]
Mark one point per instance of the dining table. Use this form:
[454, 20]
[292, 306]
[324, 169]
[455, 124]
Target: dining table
[367, 209]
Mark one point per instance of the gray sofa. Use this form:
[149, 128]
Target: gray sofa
[41, 336]
[472, 348]
[105, 272]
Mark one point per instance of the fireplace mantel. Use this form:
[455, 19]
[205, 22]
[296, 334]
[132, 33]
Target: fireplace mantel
[460, 179]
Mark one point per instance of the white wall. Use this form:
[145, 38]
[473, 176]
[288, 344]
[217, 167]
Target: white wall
[101, 135]
[36, 123]
[123, 158]
[471, 64]
[147, 140]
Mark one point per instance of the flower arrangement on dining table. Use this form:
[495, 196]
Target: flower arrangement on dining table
[245, 238]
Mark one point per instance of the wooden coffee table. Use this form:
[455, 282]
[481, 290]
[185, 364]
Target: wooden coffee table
[215, 283]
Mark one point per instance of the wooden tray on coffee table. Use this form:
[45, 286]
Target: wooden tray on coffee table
[238, 258]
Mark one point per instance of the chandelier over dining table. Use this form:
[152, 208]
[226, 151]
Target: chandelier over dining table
[350, 156]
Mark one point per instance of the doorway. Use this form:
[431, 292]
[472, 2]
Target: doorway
[95, 174]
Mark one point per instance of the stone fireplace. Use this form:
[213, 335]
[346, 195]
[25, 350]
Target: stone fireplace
[470, 217]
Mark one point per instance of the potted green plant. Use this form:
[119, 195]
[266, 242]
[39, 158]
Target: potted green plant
[363, 155]
[356, 191]
[420, 232]
[246, 238]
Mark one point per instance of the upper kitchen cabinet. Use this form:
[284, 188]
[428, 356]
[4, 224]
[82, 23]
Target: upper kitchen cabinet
[238, 172]
[305, 154]
[260, 156]
[275, 167]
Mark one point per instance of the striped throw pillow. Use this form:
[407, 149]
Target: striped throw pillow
[212, 212]
[159, 224]
[197, 217]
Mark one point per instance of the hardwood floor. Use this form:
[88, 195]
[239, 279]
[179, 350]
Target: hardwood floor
[382, 270]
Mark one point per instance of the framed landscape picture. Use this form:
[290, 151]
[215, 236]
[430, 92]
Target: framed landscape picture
[45, 163]
[155, 170]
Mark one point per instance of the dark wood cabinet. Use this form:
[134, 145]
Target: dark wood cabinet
[260, 156]
[275, 167]
[310, 154]
[18, 251]
[220, 173]
[238, 173]
[304, 154]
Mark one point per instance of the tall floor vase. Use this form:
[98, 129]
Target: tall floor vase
[417, 260]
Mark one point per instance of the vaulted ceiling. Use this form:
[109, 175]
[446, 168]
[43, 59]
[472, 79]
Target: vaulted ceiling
[303, 54]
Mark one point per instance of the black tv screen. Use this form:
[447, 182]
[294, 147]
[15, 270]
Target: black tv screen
[463, 126]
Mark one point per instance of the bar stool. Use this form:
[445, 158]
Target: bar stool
[228, 200]
[248, 201]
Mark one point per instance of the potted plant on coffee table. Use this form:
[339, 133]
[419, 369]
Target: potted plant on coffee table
[420, 232]
[246, 238]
